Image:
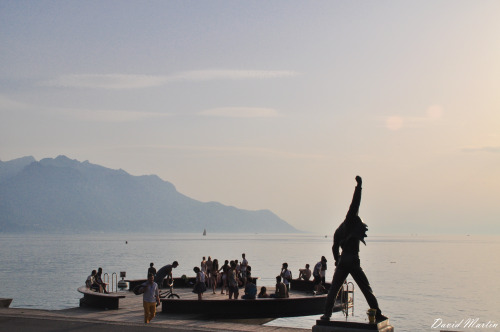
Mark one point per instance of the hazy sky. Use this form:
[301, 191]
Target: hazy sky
[269, 104]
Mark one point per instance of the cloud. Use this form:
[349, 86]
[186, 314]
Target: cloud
[433, 114]
[241, 112]
[492, 149]
[107, 115]
[127, 81]
[107, 81]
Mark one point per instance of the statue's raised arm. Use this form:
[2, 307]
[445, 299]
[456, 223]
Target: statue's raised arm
[356, 201]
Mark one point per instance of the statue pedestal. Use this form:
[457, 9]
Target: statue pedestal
[343, 326]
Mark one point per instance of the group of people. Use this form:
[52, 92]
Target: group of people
[94, 281]
[230, 276]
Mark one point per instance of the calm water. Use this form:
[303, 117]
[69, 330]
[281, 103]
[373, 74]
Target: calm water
[417, 279]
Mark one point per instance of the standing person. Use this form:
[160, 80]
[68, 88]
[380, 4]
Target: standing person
[203, 265]
[347, 236]
[215, 274]
[210, 265]
[232, 280]
[318, 287]
[323, 273]
[225, 271]
[150, 298]
[243, 269]
[199, 286]
[151, 269]
[286, 275]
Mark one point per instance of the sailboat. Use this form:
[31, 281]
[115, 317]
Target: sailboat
[204, 232]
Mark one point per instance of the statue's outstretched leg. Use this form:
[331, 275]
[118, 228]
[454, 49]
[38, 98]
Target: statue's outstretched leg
[338, 280]
[361, 280]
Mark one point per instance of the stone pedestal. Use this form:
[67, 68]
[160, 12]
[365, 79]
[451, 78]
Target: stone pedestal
[343, 326]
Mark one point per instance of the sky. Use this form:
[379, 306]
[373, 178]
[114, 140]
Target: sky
[272, 105]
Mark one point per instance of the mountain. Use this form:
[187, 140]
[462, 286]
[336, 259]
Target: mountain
[64, 195]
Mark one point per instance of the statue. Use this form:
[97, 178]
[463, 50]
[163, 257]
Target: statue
[347, 236]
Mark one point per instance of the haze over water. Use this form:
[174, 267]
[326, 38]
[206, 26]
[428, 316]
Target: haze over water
[417, 279]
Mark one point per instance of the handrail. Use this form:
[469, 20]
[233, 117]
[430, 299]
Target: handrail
[114, 282]
[105, 279]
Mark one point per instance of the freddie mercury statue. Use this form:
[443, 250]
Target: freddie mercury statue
[347, 236]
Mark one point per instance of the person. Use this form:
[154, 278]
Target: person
[323, 272]
[215, 273]
[281, 291]
[305, 274]
[225, 271]
[199, 287]
[263, 293]
[250, 291]
[286, 275]
[210, 265]
[151, 269]
[90, 282]
[150, 298]
[243, 269]
[348, 235]
[98, 280]
[165, 272]
[232, 280]
[203, 265]
[318, 286]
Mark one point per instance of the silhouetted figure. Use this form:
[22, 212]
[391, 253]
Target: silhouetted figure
[164, 272]
[347, 236]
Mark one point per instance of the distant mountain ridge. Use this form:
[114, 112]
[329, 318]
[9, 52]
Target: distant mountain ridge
[65, 195]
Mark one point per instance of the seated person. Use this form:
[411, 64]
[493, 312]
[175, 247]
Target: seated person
[91, 283]
[263, 293]
[305, 274]
[250, 290]
[98, 280]
[281, 289]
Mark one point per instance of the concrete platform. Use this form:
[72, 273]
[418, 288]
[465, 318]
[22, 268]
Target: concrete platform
[129, 317]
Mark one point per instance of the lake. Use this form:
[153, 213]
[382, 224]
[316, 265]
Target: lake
[420, 281]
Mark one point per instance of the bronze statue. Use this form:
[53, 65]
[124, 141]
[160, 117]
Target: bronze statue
[347, 236]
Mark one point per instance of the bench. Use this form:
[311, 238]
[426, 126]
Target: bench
[99, 300]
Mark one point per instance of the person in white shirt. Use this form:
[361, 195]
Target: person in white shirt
[150, 298]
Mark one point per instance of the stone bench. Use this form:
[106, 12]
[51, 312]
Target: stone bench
[99, 300]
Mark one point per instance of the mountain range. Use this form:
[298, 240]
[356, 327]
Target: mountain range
[65, 195]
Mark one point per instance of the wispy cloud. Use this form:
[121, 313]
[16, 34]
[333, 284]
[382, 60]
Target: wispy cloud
[241, 112]
[396, 122]
[492, 149]
[106, 115]
[127, 81]
[91, 115]
[107, 81]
